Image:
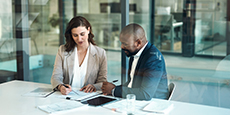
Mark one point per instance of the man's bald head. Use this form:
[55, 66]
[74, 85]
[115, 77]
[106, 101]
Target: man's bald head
[132, 38]
[134, 31]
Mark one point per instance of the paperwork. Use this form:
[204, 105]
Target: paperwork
[159, 106]
[76, 95]
[120, 106]
[61, 106]
[40, 92]
[154, 106]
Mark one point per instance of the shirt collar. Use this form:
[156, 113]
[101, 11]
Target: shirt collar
[140, 51]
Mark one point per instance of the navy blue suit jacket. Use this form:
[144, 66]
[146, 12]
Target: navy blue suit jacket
[150, 77]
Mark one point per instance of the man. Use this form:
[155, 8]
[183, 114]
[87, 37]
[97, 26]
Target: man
[147, 77]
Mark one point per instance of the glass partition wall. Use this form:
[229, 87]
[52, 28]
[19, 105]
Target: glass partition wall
[200, 39]
[193, 36]
[211, 28]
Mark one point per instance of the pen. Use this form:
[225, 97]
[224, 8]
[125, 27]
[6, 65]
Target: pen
[68, 87]
[114, 81]
[50, 93]
[69, 98]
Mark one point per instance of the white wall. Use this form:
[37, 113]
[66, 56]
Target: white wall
[142, 5]
[94, 6]
[82, 6]
[173, 4]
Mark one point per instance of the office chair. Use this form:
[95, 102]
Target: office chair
[163, 25]
[171, 89]
[178, 17]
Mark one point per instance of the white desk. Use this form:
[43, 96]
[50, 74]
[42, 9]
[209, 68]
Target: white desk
[13, 103]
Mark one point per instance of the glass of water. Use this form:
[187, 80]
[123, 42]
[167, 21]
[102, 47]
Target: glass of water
[130, 103]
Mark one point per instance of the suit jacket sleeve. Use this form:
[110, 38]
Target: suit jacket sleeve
[57, 76]
[146, 80]
[102, 73]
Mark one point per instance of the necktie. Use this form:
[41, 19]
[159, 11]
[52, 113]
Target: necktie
[130, 64]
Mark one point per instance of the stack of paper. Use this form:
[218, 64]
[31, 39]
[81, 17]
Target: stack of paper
[81, 95]
[76, 95]
[61, 106]
[159, 106]
[121, 107]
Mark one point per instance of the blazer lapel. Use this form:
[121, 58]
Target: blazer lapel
[91, 61]
[141, 57]
[70, 58]
[130, 66]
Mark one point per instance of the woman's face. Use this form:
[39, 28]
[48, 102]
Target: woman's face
[80, 35]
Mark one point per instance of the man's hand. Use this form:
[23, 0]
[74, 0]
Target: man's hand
[89, 88]
[107, 88]
[64, 90]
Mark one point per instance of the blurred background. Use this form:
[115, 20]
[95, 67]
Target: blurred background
[193, 36]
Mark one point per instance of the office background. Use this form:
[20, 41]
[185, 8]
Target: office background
[193, 36]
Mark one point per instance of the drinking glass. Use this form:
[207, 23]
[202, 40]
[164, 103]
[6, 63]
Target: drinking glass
[130, 103]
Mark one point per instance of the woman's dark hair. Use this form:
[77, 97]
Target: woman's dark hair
[74, 23]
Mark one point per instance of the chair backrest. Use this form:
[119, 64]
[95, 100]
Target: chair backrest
[163, 19]
[171, 89]
[163, 23]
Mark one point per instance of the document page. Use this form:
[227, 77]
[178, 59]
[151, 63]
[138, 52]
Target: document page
[159, 106]
[61, 106]
[76, 95]
[39, 92]
[81, 95]
[120, 106]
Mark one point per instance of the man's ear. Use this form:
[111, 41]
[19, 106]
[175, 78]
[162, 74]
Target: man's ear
[138, 42]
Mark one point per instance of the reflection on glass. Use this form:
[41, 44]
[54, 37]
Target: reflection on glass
[211, 28]
[168, 26]
[203, 80]
[7, 43]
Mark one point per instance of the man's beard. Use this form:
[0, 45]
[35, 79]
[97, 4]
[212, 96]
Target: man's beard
[130, 53]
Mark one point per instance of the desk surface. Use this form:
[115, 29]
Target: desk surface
[13, 103]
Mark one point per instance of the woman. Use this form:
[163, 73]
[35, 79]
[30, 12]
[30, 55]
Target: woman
[79, 63]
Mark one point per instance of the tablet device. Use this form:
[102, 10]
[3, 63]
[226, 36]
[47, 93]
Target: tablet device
[98, 101]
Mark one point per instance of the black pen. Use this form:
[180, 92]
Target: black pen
[114, 81]
[50, 93]
[69, 98]
[68, 87]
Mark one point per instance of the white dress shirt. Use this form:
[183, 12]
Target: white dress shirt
[79, 71]
[134, 64]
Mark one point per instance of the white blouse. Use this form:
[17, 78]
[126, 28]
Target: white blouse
[79, 72]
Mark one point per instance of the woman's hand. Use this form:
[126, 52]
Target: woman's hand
[89, 88]
[64, 90]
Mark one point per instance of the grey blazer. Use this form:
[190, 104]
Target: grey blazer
[96, 68]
